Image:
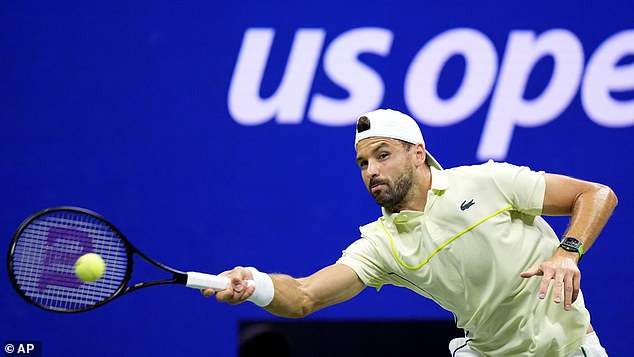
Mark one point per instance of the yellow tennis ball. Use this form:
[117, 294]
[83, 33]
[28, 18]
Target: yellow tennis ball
[89, 267]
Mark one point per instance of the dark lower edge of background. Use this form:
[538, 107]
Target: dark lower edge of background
[307, 338]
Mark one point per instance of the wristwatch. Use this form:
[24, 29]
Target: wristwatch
[572, 245]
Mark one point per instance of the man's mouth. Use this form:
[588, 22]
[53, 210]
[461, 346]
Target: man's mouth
[377, 185]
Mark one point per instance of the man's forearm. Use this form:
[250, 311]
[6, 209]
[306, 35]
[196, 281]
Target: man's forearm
[290, 299]
[300, 297]
[590, 212]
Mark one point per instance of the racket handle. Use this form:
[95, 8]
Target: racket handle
[205, 281]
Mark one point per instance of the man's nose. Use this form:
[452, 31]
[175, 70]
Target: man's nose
[373, 168]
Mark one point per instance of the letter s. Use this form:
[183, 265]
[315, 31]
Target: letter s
[342, 65]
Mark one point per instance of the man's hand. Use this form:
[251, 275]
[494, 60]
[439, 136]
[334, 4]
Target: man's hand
[562, 268]
[237, 291]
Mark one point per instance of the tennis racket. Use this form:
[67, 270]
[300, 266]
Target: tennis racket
[47, 244]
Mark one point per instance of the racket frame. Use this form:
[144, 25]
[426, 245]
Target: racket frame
[178, 277]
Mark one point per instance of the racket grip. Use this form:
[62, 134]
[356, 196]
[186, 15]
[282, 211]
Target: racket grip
[205, 281]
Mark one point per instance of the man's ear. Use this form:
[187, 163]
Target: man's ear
[421, 155]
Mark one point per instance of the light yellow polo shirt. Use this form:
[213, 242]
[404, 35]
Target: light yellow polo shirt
[481, 228]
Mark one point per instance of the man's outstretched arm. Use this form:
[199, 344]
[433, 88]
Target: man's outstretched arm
[295, 297]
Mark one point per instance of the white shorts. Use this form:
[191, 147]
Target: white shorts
[591, 347]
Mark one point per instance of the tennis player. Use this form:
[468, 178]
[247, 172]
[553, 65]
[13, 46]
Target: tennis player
[470, 238]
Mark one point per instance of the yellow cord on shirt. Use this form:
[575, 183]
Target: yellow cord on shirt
[402, 263]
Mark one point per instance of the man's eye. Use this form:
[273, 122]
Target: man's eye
[383, 155]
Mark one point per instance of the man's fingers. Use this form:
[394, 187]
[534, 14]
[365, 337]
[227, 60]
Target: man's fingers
[559, 285]
[573, 284]
[207, 292]
[545, 273]
[236, 281]
[566, 276]
[576, 284]
[568, 291]
[543, 286]
[239, 293]
[533, 271]
[238, 289]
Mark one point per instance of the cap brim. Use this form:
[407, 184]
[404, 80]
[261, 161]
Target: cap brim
[431, 161]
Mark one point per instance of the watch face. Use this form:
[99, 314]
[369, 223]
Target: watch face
[571, 242]
[572, 245]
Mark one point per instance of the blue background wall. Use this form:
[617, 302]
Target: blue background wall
[123, 108]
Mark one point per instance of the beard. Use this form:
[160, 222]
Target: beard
[395, 192]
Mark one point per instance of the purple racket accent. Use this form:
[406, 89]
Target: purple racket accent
[54, 256]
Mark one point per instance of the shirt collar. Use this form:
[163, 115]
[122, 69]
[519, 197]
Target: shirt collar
[439, 180]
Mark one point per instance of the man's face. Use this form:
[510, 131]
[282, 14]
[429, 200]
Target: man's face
[387, 170]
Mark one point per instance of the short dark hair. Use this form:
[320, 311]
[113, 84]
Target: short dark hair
[363, 124]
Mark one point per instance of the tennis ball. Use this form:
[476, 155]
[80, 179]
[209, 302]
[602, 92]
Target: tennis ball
[89, 267]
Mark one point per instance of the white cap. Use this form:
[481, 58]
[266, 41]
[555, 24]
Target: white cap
[393, 124]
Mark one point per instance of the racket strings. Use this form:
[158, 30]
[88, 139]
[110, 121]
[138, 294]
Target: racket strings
[47, 249]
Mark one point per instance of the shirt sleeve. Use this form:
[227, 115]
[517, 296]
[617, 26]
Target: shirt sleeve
[523, 187]
[362, 256]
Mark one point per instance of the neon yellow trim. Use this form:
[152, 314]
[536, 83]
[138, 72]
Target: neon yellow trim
[402, 263]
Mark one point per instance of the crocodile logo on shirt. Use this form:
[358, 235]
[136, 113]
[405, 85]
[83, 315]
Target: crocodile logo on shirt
[465, 205]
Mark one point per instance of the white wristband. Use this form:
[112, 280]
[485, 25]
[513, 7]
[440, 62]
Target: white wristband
[264, 289]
